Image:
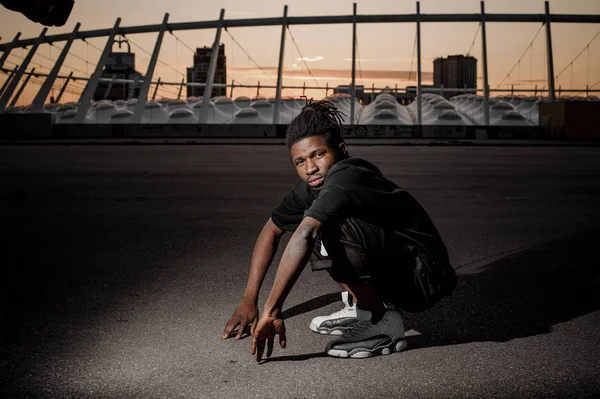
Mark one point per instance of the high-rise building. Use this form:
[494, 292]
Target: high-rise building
[455, 71]
[120, 65]
[199, 72]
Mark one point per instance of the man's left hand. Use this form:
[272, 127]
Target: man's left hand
[267, 328]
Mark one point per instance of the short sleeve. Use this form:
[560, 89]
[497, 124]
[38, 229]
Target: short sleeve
[290, 211]
[335, 201]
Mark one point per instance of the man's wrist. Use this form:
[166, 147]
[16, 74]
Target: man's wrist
[272, 310]
[251, 298]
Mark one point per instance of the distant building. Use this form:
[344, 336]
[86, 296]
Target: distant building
[199, 72]
[360, 91]
[455, 71]
[120, 65]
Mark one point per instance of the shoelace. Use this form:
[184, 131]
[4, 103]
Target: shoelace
[358, 330]
[341, 312]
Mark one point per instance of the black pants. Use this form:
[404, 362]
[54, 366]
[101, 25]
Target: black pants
[359, 252]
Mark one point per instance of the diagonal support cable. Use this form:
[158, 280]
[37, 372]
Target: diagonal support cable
[248, 55]
[578, 55]
[474, 40]
[358, 56]
[521, 57]
[412, 59]
[303, 59]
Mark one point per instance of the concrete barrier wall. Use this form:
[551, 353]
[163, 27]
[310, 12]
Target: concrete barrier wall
[571, 119]
[23, 126]
[20, 126]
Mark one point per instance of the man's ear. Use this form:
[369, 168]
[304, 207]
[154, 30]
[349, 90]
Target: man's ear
[343, 150]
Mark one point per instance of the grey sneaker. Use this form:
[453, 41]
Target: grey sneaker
[342, 320]
[367, 339]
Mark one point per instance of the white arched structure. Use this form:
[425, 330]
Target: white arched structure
[479, 110]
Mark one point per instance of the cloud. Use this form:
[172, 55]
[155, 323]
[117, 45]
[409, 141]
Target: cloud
[532, 81]
[389, 60]
[311, 59]
[336, 74]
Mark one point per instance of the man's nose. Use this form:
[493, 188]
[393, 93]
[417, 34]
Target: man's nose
[311, 167]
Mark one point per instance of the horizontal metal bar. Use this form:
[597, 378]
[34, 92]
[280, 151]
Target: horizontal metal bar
[366, 89]
[321, 20]
[575, 19]
[445, 90]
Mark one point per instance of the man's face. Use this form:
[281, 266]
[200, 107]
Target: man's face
[312, 158]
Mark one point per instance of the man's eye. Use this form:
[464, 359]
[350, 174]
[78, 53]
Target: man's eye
[298, 163]
[319, 154]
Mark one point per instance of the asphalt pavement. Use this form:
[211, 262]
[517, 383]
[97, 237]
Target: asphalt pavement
[122, 263]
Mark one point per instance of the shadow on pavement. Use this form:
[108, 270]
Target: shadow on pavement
[521, 295]
[313, 304]
[308, 306]
[294, 358]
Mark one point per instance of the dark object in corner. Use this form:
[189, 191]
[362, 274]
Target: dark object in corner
[45, 12]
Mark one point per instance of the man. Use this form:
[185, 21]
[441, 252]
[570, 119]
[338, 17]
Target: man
[45, 12]
[364, 229]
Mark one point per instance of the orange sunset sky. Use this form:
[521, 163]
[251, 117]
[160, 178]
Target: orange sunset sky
[385, 51]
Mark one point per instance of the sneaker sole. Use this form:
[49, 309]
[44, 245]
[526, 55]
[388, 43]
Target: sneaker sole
[362, 353]
[327, 331]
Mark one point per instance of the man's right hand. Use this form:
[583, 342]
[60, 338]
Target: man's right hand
[245, 314]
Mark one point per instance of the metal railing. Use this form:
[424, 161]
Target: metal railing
[483, 18]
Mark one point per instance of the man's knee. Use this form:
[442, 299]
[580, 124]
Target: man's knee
[356, 248]
[319, 258]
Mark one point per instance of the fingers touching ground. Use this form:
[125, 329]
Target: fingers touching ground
[243, 327]
[229, 327]
[260, 340]
[270, 346]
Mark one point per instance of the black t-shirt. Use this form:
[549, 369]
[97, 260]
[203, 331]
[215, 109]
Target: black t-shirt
[354, 187]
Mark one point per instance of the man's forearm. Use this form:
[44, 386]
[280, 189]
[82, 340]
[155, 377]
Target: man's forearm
[292, 263]
[262, 256]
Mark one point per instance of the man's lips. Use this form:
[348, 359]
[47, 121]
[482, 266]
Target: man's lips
[316, 181]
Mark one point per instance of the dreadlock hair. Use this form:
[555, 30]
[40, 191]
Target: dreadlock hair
[320, 118]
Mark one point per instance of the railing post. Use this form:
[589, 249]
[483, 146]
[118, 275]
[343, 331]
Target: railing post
[211, 71]
[486, 86]
[277, 105]
[40, 98]
[19, 74]
[156, 89]
[62, 90]
[143, 96]
[12, 45]
[8, 79]
[109, 88]
[419, 94]
[353, 86]
[372, 92]
[90, 88]
[21, 89]
[551, 89]
[180, 89]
